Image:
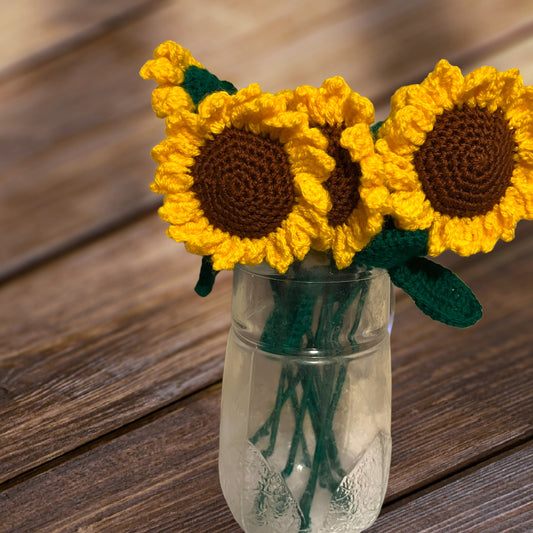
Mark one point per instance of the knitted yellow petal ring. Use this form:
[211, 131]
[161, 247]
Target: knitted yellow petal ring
[343, 117]
[241, 179]
[457, 154]
[168, 69]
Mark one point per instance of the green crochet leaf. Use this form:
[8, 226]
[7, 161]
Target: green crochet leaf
[438, 292]
[393, 247]
[207, 277]
[199, 83]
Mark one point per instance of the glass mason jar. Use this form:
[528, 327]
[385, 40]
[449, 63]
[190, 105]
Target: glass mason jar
[306, 398]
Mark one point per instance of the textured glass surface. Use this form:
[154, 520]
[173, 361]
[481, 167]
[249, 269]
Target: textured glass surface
[305, 425]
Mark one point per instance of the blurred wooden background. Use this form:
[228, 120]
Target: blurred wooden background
[110, 365]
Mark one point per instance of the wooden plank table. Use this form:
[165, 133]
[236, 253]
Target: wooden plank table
[110, 366]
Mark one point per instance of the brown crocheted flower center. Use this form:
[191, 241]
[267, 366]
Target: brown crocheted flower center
[466, 163]
[244, 183]
[343, 183]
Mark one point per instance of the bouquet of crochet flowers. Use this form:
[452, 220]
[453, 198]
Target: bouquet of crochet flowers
[251, 177]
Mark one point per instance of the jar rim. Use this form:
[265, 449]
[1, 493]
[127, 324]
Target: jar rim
[322, 272]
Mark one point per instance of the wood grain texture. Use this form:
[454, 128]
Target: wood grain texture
[161, 477]
[493, 497]
[32, 31]
[113, 333]
[251, 45]
[475, 384]
[77, 130]
[104, 335]
[80, 187]
[104, 346]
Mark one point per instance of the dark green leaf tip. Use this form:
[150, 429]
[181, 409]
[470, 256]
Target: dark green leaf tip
[199, 83]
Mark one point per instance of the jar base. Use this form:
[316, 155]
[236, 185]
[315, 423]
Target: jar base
[269, 506]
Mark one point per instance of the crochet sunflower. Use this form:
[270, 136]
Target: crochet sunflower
[458, 157]
[241, 174]
[250, 176]
[355, 185]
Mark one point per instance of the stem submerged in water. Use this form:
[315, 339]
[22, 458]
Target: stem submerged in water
[310, 317]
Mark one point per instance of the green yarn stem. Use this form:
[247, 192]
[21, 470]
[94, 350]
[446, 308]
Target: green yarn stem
[298, 437]
[277, 413]
[301, 317]
[206, 280]
[362, 300]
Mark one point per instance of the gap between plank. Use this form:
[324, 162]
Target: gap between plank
[460, 471]
[79, 241]
[39, 258]
[403, 498]
[182, 402]
[469, 56]
[79, 40]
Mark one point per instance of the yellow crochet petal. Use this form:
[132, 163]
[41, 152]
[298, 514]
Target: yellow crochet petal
[518, 111]
[188, 232]
[425, 98]
[313, 193]
[231, 252]
[206, 241]
[282, 120]
[485, 87]
[358, 141]
[399, 99]
[307, 100]
[376, 198]
[176, 149]
[343, 253]
[411, 209]
[363, 224]
[299, 232]
[250, 106]
[444, 84]
[214, 112]
[172, 177]
[254, 251]
[179, 56]
[169, 64]
[334, 103]
[334, 94]
[162, 71]
[170, 99]
[460, 236]
[179, 208]
[412, 125]
[310, 160]
[278, 254]
[358, 109]
[401, 177]
[519, 198]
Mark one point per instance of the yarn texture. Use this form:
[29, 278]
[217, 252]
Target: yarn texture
[355, 185]
[458, 157]
[249, 176]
